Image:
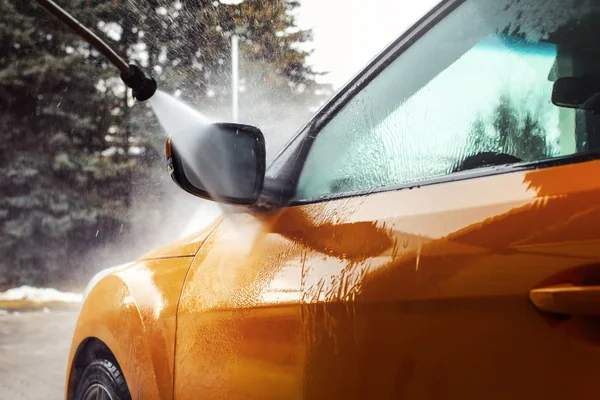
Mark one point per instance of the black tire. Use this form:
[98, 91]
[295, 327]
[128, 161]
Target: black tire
[102, 379]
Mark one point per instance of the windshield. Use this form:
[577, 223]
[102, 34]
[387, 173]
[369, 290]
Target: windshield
[489, 88]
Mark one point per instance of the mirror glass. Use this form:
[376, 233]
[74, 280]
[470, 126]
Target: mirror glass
[222, 162]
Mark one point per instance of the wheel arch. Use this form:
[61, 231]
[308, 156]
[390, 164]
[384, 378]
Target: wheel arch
[89, 350]
[130, 315]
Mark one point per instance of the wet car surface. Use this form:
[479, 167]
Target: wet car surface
[431, 232]
[419, 238]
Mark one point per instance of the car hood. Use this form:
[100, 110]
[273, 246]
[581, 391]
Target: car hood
[186, 247]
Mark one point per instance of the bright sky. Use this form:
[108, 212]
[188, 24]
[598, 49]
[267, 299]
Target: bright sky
[349, 33]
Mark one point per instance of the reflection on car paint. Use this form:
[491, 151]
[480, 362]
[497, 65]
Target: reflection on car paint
[133, 312]
[381, 294]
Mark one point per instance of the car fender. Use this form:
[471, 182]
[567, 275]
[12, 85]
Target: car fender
[132, 309]
[133, 312]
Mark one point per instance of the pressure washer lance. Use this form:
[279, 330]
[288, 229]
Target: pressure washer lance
[142, 85]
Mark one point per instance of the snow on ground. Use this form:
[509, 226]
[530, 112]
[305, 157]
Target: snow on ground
[39, 295]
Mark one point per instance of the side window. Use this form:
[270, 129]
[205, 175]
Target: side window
[474, 91]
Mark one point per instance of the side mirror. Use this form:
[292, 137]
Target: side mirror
[222, 162]
[576, 92]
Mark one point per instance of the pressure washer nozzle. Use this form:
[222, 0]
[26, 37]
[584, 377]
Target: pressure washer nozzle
[143, 86]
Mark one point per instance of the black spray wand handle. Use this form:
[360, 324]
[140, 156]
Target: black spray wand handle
[143, 86]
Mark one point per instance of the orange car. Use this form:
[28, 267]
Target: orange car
[432, 233]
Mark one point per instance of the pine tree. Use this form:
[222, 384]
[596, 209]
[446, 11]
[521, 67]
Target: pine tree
[57, 191]
[508, 131]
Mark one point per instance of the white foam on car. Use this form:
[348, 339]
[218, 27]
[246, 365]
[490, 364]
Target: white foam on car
[39, 295]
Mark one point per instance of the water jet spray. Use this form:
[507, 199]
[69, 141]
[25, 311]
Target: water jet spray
[223, 162]
[142, 85]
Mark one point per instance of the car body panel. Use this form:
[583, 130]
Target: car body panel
[418, 293]
[133, 312]
[186, 247]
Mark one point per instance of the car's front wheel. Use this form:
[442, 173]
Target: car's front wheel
[102, 380]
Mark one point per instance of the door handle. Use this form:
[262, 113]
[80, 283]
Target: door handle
[568, 300]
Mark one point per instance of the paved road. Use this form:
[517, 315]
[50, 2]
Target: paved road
[34, 349]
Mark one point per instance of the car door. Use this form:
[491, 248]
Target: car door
[433, 199]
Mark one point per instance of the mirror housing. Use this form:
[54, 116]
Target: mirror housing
[576, 92]
[223, 162]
